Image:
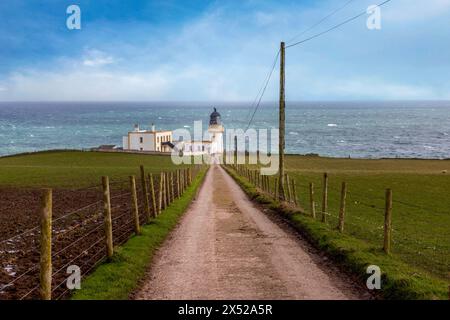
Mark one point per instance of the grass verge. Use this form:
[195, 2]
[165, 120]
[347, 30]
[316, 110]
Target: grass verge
[399, 280]
[117, 279]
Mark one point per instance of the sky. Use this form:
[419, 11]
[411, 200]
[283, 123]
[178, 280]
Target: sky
[198, 50]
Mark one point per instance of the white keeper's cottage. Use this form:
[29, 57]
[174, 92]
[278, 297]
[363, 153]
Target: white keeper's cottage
[148, 140]
[161, 140]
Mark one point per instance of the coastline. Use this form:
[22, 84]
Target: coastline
[96, 149]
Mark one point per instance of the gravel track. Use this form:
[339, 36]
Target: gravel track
[225, 247]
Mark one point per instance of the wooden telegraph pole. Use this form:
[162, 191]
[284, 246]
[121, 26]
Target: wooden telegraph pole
[235, 151]
[281, 193]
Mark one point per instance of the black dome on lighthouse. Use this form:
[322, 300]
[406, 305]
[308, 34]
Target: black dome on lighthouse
[214, 118]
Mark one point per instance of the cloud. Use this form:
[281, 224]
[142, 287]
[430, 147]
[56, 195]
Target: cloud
[79, 85]
[97, 58]
[361, 87]
[375, 88]
[224, 55]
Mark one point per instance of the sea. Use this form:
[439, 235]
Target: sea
[356, 129]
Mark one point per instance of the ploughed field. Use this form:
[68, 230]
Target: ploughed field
[421, 203]
[78, 233]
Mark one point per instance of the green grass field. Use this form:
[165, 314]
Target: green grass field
[421, 206]
[75, 169]
[421, 192]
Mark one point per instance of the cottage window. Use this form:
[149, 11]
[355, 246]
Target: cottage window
[141, 139]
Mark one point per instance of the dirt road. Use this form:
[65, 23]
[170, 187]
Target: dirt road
[226, 248]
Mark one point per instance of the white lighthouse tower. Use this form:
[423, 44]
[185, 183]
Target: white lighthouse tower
[215, 131]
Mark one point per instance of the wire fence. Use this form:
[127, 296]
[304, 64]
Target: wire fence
[78, 231]
[413, 236]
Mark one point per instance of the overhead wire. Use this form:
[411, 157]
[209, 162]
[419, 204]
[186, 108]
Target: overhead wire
[334, 27]
[320, 21]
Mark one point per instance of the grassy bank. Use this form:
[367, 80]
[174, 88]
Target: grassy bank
[421, 214]
[67, 169]
[117, 279]
[421, 206]
[400, 280]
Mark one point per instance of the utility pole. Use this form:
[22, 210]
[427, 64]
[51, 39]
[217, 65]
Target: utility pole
[281, 179]
[235, 150]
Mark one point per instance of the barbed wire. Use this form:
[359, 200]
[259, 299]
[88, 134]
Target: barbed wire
[121, 216]
[77, 210]
[20, 277]
[79, 255]
[100, 224]
[19, 235]
[120, 195]
[125, 231]
[82, 275]
[83, 223]
[29, 292]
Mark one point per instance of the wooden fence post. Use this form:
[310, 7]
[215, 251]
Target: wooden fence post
[181, 182]
[152, 192]
[163, 188]
[325, 198]
[275, 191]
[388, 222]
[311, 199]
[45, 261]
[160, 193]
[167, 185]
[134, 205]
[145, 193]
[172, 193]
[288, 188]
[178, 184]
[107, 215]
[342, 209]
[294, 191]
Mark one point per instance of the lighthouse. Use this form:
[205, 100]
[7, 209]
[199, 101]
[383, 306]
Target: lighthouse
[215, 130]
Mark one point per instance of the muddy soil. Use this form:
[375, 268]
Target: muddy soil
[78, 238]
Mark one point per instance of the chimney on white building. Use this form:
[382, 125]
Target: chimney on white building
[153, 127]
[136, 127]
